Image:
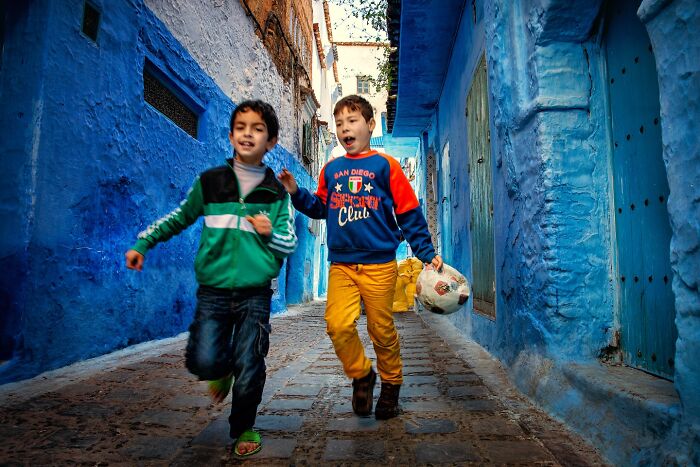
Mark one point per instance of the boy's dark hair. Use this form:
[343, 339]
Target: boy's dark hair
[355, 102]
[266, 112]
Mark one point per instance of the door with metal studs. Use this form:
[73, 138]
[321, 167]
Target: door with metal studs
[646, 302]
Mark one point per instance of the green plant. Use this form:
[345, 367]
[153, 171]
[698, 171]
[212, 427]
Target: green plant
[372, 13]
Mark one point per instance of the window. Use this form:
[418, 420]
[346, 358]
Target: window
[363, 84]
[307, 145]
[91, 21]
[163, 98]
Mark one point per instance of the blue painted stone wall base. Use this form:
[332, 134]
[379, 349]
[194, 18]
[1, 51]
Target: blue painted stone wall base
[555, 294]
[87, 165]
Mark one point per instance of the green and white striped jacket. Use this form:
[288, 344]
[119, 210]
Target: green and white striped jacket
[231, 253]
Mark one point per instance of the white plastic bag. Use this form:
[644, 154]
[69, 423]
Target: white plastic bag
[442, 292]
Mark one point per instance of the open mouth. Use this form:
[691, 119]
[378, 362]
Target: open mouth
[246, 144]
[348, 140]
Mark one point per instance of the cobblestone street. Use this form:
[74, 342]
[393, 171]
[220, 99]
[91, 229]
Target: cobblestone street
[459, 409]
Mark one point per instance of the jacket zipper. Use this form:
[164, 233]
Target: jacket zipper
[241, 199]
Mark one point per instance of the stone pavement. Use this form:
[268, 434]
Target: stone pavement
[459, 409]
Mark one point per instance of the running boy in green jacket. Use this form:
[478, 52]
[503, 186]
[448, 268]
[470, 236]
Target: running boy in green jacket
[248, 231]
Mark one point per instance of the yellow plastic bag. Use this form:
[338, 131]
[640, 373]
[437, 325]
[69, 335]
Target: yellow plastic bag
[404, 295]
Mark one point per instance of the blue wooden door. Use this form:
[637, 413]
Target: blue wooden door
[481, 194]
[647, 311]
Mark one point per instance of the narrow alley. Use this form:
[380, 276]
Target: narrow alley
[142, 407]
[547, 150]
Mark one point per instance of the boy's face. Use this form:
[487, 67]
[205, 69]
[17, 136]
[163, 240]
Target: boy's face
[353, 130]
[250, 137]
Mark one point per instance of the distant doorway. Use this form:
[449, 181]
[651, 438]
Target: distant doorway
[445, 239]
[431, 198]
[642, 229]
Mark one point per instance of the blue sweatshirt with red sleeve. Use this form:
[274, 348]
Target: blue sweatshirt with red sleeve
[365, 199]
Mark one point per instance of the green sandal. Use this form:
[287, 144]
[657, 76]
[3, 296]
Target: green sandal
[248, 436]
[219, 388]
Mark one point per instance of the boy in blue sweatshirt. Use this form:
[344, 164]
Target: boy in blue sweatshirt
[365, 198]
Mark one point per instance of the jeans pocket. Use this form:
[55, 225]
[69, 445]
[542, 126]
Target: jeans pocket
[262, 343]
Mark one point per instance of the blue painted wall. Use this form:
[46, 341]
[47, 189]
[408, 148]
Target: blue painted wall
[674, 30]
[299, 266]
[295, 284]
[551, 154]
[550, 198]
[323, 263]
[322, 288]
[18, 143]
[88, 165]
[553, 295]
[552, 206]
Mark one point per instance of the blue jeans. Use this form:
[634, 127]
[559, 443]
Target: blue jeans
[231, 334]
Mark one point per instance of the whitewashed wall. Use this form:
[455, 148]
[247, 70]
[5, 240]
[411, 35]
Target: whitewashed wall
[222, 39]
[322, 78]
[362, 60]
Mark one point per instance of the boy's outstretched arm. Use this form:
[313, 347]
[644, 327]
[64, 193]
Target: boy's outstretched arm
[166, 227]
[288, 181]
[313, 205]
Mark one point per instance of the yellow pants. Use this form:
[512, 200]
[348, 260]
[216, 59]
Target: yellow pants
[374, 284]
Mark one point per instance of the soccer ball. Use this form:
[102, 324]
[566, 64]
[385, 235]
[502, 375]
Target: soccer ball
[442, 292]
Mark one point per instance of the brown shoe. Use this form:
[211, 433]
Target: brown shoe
[388, 403]
[362, 390]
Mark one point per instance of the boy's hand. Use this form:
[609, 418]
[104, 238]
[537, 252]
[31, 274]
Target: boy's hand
[134, 260]
[261, 224]
[437, 263]
[287, 179]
